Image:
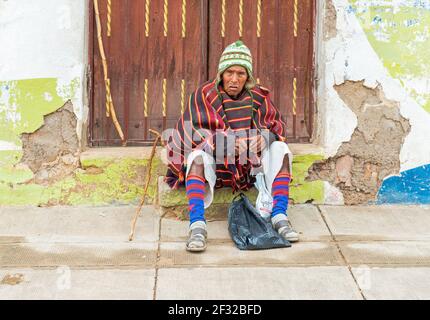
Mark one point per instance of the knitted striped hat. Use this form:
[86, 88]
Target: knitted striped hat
[236, 54]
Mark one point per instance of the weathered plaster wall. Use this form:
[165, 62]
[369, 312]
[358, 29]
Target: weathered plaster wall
[373, 107]
[42, 67]
[379, 50]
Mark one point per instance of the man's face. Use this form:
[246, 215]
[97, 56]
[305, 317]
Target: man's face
[234, 79]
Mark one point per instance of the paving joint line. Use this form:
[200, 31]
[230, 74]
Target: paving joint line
[341, 253]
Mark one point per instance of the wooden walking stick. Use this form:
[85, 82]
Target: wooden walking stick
[148, 179]
[110, 109]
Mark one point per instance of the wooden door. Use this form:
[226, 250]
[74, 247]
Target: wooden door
[159, 51]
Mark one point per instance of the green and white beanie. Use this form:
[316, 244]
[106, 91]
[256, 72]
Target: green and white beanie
[236, 54]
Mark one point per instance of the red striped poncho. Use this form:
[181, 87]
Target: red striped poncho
[211, 112]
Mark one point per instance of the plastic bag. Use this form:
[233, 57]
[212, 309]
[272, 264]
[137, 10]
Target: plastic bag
[264, 203]
[250, 231]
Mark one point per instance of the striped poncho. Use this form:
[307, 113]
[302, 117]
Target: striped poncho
[212, 112]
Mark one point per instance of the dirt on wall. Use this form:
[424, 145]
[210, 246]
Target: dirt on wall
[372, 154]
[52, 152]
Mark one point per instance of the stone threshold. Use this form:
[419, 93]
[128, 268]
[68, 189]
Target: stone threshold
[143, 153]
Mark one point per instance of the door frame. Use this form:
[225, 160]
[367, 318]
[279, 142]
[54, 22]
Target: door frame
[312, 51]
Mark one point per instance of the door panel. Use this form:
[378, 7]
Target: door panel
[267, 28]
[153, 63]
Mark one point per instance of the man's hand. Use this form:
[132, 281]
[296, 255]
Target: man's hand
[241, 146]
[257, 144]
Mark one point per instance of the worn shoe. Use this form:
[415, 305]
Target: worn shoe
[197, 239]
[285, 229]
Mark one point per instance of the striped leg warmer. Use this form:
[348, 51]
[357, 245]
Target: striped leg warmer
[195, 186]
[280, 192]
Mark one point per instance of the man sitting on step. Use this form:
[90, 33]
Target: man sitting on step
[229, 131]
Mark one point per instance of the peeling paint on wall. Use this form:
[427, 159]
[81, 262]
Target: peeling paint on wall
[399, 31]
[383, 46]
[371, 155]
[117, 182]
[411, 187]
[23, 105]
[52, 152]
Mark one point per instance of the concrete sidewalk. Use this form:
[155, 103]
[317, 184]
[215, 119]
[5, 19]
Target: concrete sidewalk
[368, 252]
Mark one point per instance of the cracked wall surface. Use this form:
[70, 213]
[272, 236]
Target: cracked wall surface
[52, 152]
[373, 88]
[372, 154]
[23, 106]
[42, 67]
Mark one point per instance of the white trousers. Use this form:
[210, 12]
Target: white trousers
[271, 161]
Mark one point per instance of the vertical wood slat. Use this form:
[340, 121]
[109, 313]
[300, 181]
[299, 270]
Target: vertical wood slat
[240, 27]
[185, 18]
[108, 45]
[174, 61]
[296, 58]
[310, 85]
[286, 65]
[268, 48]
[304, 128]
[137, 69]
[250, 30]
[147, 15]
[128, 72]
[92, 130]
[166, 52]
[146, 73]
[109, 18]
[258, 50]
[156, 66]
[276, 70]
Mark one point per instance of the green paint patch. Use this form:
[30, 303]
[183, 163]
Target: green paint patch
[21, 194]
[401, 38]
[23, 104]
[10, 157]
[119, 182]
[15, 174]
[302, 191]
[34, 194]
[427, 106]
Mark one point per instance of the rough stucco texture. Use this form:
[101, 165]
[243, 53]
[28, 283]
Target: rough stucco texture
[372, 154]
[52, 152]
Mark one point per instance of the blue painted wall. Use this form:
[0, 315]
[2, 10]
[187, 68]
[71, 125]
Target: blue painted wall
[411, 187]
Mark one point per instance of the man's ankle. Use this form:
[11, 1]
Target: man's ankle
[279, 217]
[198, 224]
